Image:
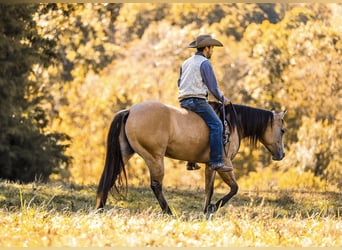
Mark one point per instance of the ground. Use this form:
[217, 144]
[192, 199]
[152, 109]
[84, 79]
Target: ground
[63, 215]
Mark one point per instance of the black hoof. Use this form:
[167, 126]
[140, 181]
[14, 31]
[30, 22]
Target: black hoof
[212, 208]
[211, 211]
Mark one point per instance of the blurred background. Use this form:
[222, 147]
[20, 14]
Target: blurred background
[65, 69]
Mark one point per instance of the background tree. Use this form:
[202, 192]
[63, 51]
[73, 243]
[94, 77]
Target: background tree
[27, 152]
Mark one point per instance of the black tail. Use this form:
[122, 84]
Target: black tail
[114, 165]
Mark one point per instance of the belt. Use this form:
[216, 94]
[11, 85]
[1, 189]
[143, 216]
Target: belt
[181, 98]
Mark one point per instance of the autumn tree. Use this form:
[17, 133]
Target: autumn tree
[297, 64]
[85, 43]
[276, 56]
[27, 151]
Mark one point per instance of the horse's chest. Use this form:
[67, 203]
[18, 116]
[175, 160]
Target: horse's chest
[233, 146]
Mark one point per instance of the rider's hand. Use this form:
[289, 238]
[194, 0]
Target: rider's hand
[227, 101]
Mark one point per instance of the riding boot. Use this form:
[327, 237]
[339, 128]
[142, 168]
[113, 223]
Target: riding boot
[220, 167]
[192, 166]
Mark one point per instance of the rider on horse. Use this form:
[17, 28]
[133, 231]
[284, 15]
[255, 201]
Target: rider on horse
[196, 78]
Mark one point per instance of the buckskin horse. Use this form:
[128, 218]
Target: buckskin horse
[155, 130]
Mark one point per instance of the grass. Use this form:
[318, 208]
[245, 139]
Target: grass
[59, 215]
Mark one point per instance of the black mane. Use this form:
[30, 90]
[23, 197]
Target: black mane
[252, 122]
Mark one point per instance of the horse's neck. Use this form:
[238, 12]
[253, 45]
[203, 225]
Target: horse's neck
[253, 122]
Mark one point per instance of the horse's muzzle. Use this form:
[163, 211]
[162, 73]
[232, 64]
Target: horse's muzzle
[278, 156]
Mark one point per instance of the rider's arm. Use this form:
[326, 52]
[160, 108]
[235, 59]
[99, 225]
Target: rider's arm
[209, 79]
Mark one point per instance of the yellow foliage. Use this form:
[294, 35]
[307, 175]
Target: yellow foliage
[293, 63]
[270, 179]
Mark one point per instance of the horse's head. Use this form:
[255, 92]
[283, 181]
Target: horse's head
[273, 136]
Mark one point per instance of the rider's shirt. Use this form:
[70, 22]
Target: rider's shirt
[197, 77]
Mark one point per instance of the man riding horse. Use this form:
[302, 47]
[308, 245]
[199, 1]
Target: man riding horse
[196, 78]
[155, 130]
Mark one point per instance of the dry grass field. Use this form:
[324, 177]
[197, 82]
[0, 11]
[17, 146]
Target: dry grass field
[58, 215]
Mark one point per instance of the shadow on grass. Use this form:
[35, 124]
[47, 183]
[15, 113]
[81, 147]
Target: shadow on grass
[70, 198]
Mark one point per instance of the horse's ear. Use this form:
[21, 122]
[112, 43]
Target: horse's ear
[282, 113]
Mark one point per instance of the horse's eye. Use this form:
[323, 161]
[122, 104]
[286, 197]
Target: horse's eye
[283, 130]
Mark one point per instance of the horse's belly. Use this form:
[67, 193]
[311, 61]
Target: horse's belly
[189, 152]
[156, 129]
[189, 139]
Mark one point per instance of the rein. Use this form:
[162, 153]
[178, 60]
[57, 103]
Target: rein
[226, 133]
[224, 121]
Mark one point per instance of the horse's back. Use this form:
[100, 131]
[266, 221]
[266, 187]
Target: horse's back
[160, 129]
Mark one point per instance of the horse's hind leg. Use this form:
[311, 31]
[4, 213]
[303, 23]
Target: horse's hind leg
[156, 168]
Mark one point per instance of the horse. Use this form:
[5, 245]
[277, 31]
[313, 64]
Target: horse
[155, 130]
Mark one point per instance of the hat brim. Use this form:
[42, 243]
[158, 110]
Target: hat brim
[205, 42]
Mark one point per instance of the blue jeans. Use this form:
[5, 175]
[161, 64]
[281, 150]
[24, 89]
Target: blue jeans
[203, 109]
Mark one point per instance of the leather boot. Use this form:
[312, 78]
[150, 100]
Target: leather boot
[220, 167]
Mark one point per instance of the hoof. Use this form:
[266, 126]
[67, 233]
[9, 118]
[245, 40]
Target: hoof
[211, 208]
[211, 211]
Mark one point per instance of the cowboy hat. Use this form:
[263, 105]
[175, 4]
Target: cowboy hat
[203, 41]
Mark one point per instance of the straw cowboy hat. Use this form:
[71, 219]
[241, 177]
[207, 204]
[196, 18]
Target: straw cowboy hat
[203, 41]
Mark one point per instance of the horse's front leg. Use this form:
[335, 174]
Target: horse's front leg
[209, 189]
[229, 178]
